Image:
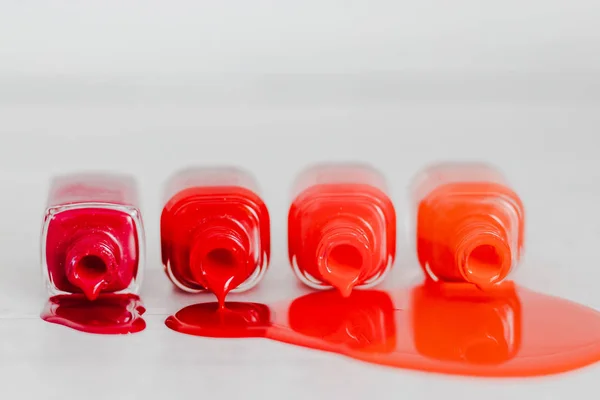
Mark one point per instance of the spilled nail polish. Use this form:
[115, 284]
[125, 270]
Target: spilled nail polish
[108, 314]
[233, 320]
[460, 323]
[469, 224]
[341, 228]
[450, 328]
[364, 321]
[215, 231]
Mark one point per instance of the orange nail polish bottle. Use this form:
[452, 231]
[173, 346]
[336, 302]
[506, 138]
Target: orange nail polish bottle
[341, 228]
[469, 225]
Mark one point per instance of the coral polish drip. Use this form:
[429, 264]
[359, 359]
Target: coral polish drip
[344, 254]
[483, 254]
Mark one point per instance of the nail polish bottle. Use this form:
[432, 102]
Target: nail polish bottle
[341, 227]
[469, 224]
[92, 236]
[215, 231]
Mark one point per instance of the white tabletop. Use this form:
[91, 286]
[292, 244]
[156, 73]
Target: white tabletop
[146, 88]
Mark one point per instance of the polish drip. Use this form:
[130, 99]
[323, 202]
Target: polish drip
[344, 254]
[483, 254]
[91, 262]
[219, 259]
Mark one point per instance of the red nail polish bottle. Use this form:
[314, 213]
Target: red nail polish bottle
[469, 224]
[215, 231]
[341, 228]
[93, 237]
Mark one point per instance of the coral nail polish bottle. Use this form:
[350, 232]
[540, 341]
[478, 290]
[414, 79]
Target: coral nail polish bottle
[470, 224]
[92, 237]
[341, 227]
[215, 231]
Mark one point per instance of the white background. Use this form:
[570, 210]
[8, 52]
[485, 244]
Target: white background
[147, 87]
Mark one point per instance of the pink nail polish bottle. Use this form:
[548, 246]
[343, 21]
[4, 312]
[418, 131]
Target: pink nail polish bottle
[92, 237]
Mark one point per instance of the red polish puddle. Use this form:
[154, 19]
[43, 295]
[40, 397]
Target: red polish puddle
[235, 320]
[109, 314]
[453, 329]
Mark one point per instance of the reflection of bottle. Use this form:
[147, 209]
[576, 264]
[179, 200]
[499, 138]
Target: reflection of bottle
[469, 224]
[215, 231]
[92, 238]
[461, 323]
[363, 321]
[341, 227]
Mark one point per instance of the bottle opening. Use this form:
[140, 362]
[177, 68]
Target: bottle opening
[221, 268]
[91, 268]
[220, 258]
[342, 266]
[484, 264]
[345, 260]
[91, 263]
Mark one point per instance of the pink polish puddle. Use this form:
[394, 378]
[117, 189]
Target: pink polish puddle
[109, 314]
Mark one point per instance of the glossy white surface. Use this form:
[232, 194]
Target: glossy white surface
[146, 88]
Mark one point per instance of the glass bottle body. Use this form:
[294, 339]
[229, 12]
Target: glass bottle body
[341, 227]
[469, 224]
[93, 236]
[215, 231]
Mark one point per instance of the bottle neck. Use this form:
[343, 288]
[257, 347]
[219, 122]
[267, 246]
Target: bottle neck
[219, 255]
[344, 253]
[91, 260]
[482, 251]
